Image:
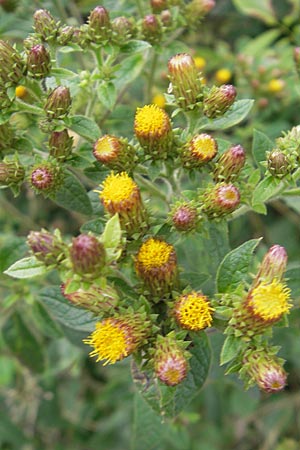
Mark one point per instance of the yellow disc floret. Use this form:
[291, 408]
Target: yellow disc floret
[193, 311]
[154, 254]
[151, 120]
[119, 192]
[20, 91]
[109, 341]
[269, 301]
[203, 147]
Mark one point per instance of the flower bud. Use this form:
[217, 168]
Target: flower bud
[220, 200]
[266, 371]
[152, 127]
[201, 149]
[166, 18]
[65, 35]
[273, 265]
[230, 164]
[115, 153]
[58, 103]
[99, 300]
[87, 255]
[120, 194]
[45, 178]
[185, 80]
[158, 5]
[9, 5]
[11, 65]
[151, 29]
[30, 42]
[197, 9]
[193, 311]
[123, 30]
[170, 361]
[11, 173]
[47, 247]
[116, 338]
[278, 164]
[60, 145]
[38, 62]
[219, 100]
[44, 25]
[156, 265]
[184, 217]
[99, 26]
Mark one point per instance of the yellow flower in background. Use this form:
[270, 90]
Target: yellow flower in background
[20, 91]
[159, 100]
[200, 62]
[276, 85]
[223, 76]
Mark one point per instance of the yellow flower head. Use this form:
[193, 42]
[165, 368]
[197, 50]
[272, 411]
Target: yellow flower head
[159, 100]
[20, 91]
[222, 76]
[119, 193]
[276, 85]
[200, 62]
[111, 341]
[156, 263]
[193, 311]
[269, 301]
[107, 148]
[203, 148]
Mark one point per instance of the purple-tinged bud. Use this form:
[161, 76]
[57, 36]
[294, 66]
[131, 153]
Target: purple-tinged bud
[220, 200]
[185, 80]
[166, 18]
[123, 30]
[158, 5]
[266, 371]
[278, 164]
[45, 178]
[230, 164]
[30, 42]
[184, 217]
[11, 173]
[170, 361]
[99, 26]
[197, 9]
[9, 5]
[151, 29]
[60, 145]
[96, 299]
[11, 65]
[65, 35]
[58, 103]
[115, 153]
[201, 149]
[273, 265]
[47, 247]
[38, 62]
[219, 100]
[87, 255]
[44, 24]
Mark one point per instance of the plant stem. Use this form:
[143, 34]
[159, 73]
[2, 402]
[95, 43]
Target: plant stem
[140, 7]
[151, 76]
[151, 187]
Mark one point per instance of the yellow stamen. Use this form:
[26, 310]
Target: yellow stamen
[203, 147]
[154, 253]
[151, 121]
[270, 301]
[193, 311]
[118, 188]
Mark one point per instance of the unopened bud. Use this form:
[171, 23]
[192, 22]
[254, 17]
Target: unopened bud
[46, 247]
[9, 5]
[219, 100]
[278, 164]
[166, 18]
[60, 145]
[184, 217]
[201, 149]
[266, 371]
[170, 361]
[65, 35]
[273, 265]
[230, 164]
[45, 178]
[99, 26]
[197, 9]
[115, 153]
[11, 173]
[158, 5]
[151, 28]
[38, 62]
[220, 200]
[44, 24]
[87, 255]
[123, 30]
[11, 65]
[58, 103]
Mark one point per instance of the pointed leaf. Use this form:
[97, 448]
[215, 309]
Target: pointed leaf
[238, 112]
[26, 268]
[84, 126]
[261, 9]
[230, 349]
[73, 196]
[261, 145]
[107, 95]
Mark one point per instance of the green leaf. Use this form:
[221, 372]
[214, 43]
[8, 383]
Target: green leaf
[84, 126]
[73, 196]
[293, 281]
[238, 112]
[261, 145]
[294, 13]
[260, 9]
[12, 248]
[257, 45]
[111, 238]
[169, 401]
[107, 94]
[266, 189]
[135, 46]
[26, 268]
[65, 313]
[95, 226]
[44, 322]
[23, 343]
[235, 266]
[130, 69]
[230, 349]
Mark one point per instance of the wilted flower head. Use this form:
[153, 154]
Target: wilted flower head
[193, 311]
[170, 361]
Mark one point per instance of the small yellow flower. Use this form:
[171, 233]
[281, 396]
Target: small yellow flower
[193, 311]
[200, 62]
[276, 85]
[107, 148]
[159, 100]
[269, 301]
[222, 76]
[201, 149]
[20, 91]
